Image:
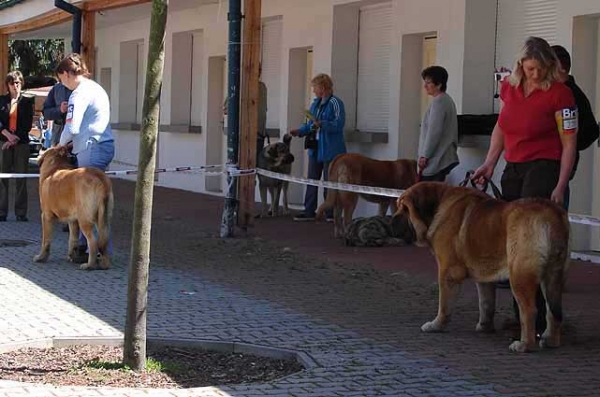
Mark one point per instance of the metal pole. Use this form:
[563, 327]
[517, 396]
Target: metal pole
[233, 114]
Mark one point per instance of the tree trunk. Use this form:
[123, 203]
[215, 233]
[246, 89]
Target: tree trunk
[134, 352]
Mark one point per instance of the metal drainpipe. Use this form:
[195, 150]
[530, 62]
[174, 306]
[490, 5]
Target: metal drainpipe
[76, 12]
[233, 114]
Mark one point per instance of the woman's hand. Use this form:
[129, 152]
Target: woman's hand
[422, 163]
[558, 195]
[485, 171]
[317, 123]
[7, 145]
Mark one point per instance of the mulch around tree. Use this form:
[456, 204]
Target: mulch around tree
[167, 367]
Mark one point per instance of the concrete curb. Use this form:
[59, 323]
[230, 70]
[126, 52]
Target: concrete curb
[224, 347]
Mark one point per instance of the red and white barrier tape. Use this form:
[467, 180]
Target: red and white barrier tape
[234, 171]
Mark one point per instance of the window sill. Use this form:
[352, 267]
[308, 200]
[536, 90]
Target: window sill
[176, 128]
[357, 136]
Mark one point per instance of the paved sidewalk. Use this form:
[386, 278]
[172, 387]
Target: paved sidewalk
[355, 312]
[56, 299]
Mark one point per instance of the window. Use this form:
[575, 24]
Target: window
[186, 78]
[374, 47]
[131, 81]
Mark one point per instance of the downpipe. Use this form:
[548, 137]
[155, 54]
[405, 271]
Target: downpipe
[76, 12]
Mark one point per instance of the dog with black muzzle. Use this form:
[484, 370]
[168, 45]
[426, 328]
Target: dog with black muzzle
[275, 157]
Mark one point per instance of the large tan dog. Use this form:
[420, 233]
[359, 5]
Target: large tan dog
[82, 197]
[357, 169]
[474, 235]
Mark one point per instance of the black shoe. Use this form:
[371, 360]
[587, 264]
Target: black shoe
[22, 218]
[2, 219]
[329, 218]
[303, 217]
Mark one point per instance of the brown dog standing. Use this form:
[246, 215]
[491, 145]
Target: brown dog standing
[356, 169]
[474, 235]
[82, 197]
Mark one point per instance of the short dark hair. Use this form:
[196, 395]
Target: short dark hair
[437, 74]
[13, 76]
[563, 57]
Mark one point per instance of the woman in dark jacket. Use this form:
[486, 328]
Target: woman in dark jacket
[16, 119]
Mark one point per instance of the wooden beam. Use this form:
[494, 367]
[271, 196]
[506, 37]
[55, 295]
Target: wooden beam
[102, 5]
[57, 16]
[3, 56]
[88, 40]
[50, 18]
[249, 107]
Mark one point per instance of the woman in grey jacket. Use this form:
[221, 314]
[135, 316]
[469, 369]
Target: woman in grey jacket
[438, 141]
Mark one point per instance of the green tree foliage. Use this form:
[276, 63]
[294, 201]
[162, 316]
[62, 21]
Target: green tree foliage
[35, 57]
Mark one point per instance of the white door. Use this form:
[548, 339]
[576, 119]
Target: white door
[429, 54]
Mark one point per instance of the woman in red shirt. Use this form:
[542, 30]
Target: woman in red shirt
[537, 130]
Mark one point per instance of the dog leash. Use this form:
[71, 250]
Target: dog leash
[487, 182]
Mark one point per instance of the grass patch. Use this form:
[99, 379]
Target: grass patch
[152, 365]
[169, 367]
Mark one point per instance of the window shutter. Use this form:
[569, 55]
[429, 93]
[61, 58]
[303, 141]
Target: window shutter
[374, 48]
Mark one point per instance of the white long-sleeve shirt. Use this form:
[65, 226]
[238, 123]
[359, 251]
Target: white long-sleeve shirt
[88, 116]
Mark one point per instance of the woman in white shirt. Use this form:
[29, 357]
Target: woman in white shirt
[87, 125]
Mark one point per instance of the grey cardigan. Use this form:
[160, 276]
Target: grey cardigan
[438, 141]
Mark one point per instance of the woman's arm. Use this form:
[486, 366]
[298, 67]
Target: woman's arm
[486, 170]
[76, 109]
[567, 160]
[338, 118]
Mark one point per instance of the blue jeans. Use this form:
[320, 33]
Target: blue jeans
[97, 155]
[316, 168]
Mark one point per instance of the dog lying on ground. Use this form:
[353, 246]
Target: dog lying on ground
[378, 231]
[357, 169]
[275, 157]
[82, 197]
[474, 235]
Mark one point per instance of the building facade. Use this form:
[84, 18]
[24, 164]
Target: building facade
[373, 49]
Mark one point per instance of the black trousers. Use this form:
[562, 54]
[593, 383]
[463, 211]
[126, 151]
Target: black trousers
[536, 178]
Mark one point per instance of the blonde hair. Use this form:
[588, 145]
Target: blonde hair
[323, 81]
[536, 48]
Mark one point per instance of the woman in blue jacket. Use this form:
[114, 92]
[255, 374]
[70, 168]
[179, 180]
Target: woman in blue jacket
[324, 139]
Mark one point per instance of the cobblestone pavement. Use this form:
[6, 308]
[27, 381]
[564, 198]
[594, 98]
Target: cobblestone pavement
[355, 312]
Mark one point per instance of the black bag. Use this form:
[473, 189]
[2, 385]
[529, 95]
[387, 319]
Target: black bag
[310, 141]
[588, 133]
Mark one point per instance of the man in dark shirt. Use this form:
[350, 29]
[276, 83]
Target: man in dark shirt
[588, 129]
[55, 109]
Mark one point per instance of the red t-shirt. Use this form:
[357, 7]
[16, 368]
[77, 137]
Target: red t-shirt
[530, 127]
